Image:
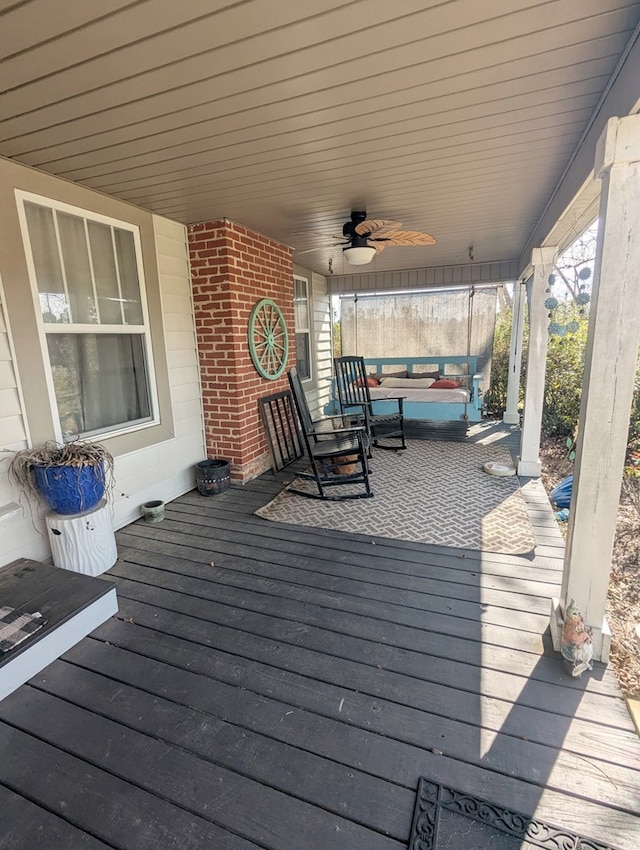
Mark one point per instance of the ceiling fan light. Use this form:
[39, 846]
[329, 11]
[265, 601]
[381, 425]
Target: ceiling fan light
[359, 256]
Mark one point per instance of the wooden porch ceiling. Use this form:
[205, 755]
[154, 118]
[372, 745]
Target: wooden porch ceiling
[279, 687]
[457, 117]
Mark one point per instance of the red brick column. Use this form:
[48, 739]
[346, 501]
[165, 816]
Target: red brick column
[231, 269]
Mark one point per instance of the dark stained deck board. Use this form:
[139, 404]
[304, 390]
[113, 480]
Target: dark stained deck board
[526, 718]
[376, 561]
[98, 801]
[319, 671]
[343, 545]
[270, 722]
[143, 704]
[436, 691]
[496, 590]
[497, 615]
[309, 600]
[240, 804]
[448, 635]
[26, 824]
[298, 552]
[398, 647]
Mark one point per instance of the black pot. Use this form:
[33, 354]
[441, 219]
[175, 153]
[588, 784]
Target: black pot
[213, 476]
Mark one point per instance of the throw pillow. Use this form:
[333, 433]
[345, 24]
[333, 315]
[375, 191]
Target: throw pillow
[432, 374]
[400, 374]
[411, 383]
[445, 384]
[371, 382]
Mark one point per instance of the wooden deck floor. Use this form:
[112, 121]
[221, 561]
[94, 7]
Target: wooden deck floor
[282, 687]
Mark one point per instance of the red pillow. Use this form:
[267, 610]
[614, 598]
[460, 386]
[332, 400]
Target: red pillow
[371, 382]
[445, 384]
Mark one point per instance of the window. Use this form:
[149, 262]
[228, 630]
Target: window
[303, 327]
[87, 278]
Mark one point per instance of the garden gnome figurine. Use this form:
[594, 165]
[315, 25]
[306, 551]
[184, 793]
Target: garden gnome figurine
[577, 647]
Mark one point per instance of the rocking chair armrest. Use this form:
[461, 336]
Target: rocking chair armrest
[327, 425]
[348, 429]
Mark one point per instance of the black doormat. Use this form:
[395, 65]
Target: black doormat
[446, 819]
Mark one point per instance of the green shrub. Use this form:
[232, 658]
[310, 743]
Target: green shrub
[495, 400]
[565, 368]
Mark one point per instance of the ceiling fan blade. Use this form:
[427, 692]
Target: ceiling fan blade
[406, 237]
[321, 247]
[371, 225]
[379, 246]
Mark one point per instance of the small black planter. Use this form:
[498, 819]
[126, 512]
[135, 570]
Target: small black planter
[213, 476]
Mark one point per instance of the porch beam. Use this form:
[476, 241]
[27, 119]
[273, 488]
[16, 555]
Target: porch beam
[610, 365]
[542, 262]
[425, 278]
[511, 415]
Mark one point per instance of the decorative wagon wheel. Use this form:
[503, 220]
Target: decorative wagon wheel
[268, 339]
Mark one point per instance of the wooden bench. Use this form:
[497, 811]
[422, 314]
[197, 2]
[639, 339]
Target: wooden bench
[72, 604]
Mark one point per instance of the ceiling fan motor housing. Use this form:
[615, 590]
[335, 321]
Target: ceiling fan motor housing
[357, 241]
[349, 227]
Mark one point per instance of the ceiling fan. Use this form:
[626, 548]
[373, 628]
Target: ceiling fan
[364, 238]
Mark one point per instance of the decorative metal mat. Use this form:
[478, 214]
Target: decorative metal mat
[446, 819]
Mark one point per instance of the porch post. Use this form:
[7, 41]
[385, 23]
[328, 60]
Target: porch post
[511, 415]
[542, 260]
[610, 365]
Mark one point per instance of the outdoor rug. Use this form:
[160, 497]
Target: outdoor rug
[433, 492]
[16, 626]
[446, 819]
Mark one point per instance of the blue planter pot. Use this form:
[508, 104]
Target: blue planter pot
[70, 489]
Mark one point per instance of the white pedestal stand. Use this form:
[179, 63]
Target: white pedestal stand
[84, 543]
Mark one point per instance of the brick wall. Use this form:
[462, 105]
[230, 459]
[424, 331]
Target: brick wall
[232, 268]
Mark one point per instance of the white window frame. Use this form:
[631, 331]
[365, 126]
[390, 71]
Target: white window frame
[309, 329]
[45, 328]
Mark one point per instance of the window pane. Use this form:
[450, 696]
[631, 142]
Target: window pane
[303, 356]
[129, 284]
[46, 261]
[100, 381]
[104, 270]
[301, 305]
[75, 255]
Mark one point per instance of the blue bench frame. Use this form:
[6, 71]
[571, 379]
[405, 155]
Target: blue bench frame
[428, 410]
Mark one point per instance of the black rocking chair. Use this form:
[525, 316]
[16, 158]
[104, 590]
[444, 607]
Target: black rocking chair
[336, 449]
[353, 396]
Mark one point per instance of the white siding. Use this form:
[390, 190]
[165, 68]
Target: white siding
[318, 389]
[166, 470]
[322, 339]
[14, 527]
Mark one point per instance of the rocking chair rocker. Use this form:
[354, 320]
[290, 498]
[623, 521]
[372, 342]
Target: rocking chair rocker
[336, 449]
[354, 396]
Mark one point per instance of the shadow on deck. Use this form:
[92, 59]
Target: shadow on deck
[282, 687]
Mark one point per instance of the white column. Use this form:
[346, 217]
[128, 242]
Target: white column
[542, 260]
[607, 393]
[511, 415]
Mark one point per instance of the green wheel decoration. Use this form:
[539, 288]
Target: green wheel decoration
[268, 339]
